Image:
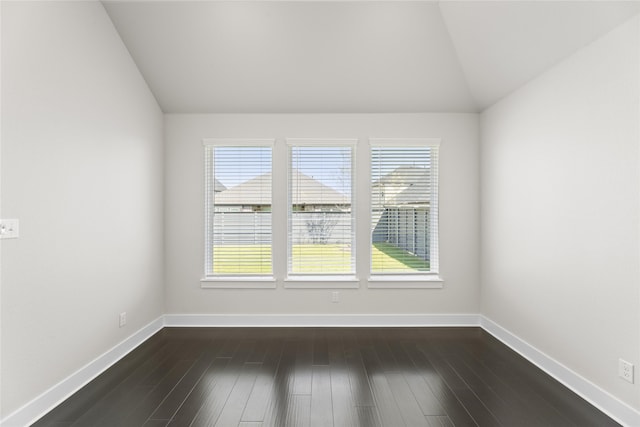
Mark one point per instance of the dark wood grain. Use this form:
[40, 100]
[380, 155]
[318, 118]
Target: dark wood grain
[382, 394]
[128, 393]
[333, 377]
[299, 411]
[280, 398]
[439, 421]
[304, 361]
[176, 397]
[321, 398]
[237, 400]
[320, 348]
[345, 413]
[445, 396]
[263, 391]
[90, 394]
[358, 379]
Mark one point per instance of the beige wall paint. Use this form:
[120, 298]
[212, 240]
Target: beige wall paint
[560, 211]
[82, 170]
[184, 210]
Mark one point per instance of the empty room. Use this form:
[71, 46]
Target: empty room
[319, 213]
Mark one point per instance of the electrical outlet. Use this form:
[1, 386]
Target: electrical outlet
[335, 296]
[9, 228]
[625, 370]
[123, 318]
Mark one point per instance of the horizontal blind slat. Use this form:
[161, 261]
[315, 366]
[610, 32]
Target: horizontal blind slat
[403, 196]
[320, 218]
[240, 234]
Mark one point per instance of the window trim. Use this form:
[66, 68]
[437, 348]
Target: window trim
[321, 282]
[238, 282]
[307, 280]
[406, 281]
[210, 280]
[280, 277]
[431, 279]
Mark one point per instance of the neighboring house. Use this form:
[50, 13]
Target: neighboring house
[320, 212]
[400, 202]
[307, 194]
[404, 186]
[400, 209]
[218, 186]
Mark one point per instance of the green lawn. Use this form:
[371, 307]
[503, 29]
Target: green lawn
[242, 259]
[386, 258]
[310, 259]
[320, 259]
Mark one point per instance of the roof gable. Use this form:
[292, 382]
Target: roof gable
[256, 192]
[404, 185]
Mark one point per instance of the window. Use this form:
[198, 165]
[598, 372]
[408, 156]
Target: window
[238, 208]
[404, 207]
[285, 211]
[320, 214]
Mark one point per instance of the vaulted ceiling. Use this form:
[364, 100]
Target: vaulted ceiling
[351, 56]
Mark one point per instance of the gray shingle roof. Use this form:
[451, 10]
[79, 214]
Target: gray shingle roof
[305, 190]
[218, 186]
[403, 186]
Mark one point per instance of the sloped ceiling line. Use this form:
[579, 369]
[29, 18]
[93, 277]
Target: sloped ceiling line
[455, 51]
[351, 57]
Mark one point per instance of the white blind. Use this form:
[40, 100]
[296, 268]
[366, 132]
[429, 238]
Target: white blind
[238, 210]
[320, 216]
[404, 209]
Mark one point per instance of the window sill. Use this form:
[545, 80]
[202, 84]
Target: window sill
[406, 282]
[321, 282]
[238, 282]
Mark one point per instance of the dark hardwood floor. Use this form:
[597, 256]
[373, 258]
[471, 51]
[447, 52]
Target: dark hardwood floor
[366, 377]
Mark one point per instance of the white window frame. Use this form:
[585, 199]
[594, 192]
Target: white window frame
[326, 281]
[411, 280]
[236, 281]
[360, 232]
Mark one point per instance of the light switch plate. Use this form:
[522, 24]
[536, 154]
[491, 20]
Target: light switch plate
[9, 228]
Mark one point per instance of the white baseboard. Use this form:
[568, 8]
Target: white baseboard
[38, 407]
[601, 399]
[32, 411]
[320, 320]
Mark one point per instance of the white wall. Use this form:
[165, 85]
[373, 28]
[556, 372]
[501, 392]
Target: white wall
[560, 177]
[184, 210]
[82, 170]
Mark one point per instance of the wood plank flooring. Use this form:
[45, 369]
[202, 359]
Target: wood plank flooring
[329, 377]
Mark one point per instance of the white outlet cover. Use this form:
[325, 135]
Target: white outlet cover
[625, 370]
[9, 228]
